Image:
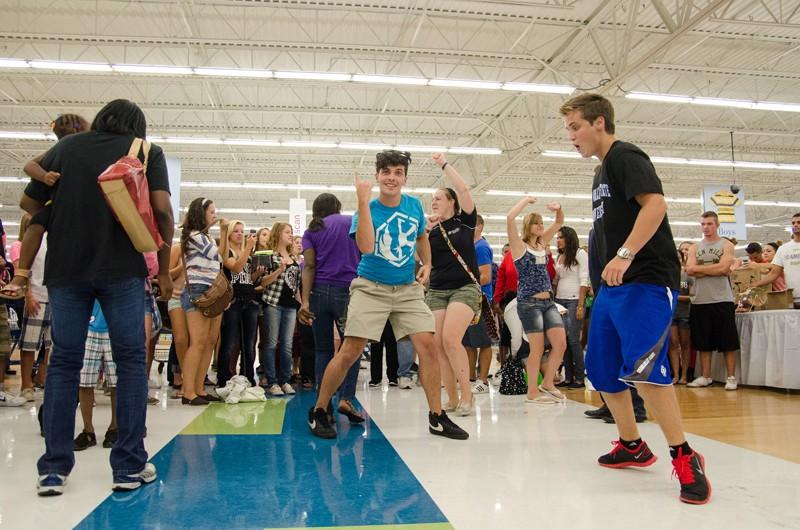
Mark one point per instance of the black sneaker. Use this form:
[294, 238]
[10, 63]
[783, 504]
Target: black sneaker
[441, 425]
[691, 472]
[319, 423]
[374, 384]
[600, 413]
[576, 385]
[110, 438]
[392, 382]
[621, 456]
[85, 440]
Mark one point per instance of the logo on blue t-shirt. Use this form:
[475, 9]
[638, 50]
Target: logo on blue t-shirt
[395, 239]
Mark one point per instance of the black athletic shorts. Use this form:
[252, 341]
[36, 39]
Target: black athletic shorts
[713, 327]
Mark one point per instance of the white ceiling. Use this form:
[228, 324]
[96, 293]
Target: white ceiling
[715, 48]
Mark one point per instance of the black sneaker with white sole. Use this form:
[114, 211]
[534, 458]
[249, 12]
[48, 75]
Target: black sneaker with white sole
[320, 424]
[441, 425]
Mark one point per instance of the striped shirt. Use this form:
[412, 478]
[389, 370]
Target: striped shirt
[202, 259]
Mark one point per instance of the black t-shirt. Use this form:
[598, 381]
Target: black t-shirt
[626, 172]
[84, 240]
[447, 271]
[291, 283]
[242, 282]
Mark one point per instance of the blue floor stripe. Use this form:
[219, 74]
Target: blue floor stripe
[286, 481]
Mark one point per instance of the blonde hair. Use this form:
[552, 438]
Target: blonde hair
[530, 220]
[275, 237]
[229, 244]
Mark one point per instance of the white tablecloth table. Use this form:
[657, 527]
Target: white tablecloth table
[770, 350]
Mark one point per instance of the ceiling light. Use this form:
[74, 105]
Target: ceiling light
[192, 140]
[70, 65]
[722, 102]
[536, 87]
[464, 83]
[561, 154]
[14, 63]
[27, 135]
[314, 76]
[152, 69]
[251, 143]
[364, 147]
[233, 72]
[716, 102]
[319, 145]
[390, 79]
[694, 161]
[666, 98]
[421, 148]
[475, 150]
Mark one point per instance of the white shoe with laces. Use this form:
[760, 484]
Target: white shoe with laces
[731, 384]
[275, 390]
[9, 400]
[405, 383]
[700, 382]
[479, 387]
[287, 389]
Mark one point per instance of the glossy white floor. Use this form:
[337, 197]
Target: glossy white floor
[524, 465]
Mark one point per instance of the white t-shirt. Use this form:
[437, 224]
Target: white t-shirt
[570, 280]
[788, 257]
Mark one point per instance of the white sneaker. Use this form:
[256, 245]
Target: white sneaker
[731, 384]
[700, 382]
[405, 383]
[28, 393]
[287, 389]
[153, 384]
[479, 387]
[275, 390]
[135, 481]
[464, 409]
[8, 400]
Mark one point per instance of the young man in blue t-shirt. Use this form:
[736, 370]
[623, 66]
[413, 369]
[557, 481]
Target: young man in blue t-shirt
[476, 339]
[632, 313]
[389, 232]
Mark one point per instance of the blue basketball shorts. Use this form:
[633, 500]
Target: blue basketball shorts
[629, 336]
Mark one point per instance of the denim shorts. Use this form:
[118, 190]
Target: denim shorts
[180, 303]
[537, 316]
[196, 290]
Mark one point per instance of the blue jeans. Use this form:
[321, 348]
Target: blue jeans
[239, 330]
[279, 324]
[573, 357]
[329, 305]
[122, 302]
[405, 357]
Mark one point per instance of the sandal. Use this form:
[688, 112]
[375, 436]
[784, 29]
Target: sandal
[542, 399]
[555, 394]
[13, 292]
[347, 408]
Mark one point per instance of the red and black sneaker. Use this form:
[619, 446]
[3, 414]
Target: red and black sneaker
[621, 456]
[691, 472]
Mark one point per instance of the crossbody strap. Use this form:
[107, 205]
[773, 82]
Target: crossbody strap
[458, 256]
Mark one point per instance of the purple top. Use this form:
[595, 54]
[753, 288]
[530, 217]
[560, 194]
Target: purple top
[336, 252]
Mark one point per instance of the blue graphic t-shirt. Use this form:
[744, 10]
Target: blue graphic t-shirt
[97, 322]
[485, 256]
[396, 232]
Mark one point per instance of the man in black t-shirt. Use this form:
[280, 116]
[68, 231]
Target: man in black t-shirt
[632, 313]
[90, 256]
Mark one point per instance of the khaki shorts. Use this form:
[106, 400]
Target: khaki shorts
[372, 304]
[469, 295]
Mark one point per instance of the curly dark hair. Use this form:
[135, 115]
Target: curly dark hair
[67, 124]
[324, 205]
[195, 220]
[571, 246]
[390, 158]
[121, 117]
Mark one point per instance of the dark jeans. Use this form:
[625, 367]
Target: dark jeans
[329, 305]
[239, 330]
[638, 403]
[376, 356]
[123, 306]
[574, 368]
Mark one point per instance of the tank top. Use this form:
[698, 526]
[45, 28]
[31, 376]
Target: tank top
[532, 270]
[711, 289]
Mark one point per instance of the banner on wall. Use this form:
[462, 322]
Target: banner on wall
[729, 207]
[297, 216]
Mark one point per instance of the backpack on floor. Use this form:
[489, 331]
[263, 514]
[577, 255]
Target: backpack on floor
[512, 382]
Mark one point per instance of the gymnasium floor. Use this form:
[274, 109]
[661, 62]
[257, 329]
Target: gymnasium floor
[257, 466]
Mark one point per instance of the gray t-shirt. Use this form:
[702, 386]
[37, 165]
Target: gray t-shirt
[711, 289]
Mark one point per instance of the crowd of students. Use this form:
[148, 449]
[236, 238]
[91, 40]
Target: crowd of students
[303, 309]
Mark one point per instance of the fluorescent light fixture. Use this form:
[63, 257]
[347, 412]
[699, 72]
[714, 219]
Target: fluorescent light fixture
[536, 87]
[14, 63]
[70, 65]
[709, 163]
[192, 140]
[422, 190]
[314, 76]
[465, 83]
[152, 69]
[776, 106]
[13, 179]
[319, 145]
[27, 135]
[421, 148]
[475, 150]
[666, 98]
[362, 147]
[505, 193]
[233, 72]
[561, 154]
[246, 142]
[390, 79]
[684, 200]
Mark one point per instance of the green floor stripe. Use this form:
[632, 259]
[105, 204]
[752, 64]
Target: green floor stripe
[263, 417]
[418, 526]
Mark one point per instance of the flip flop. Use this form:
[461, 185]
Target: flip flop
[13, 292]
[555, 394]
